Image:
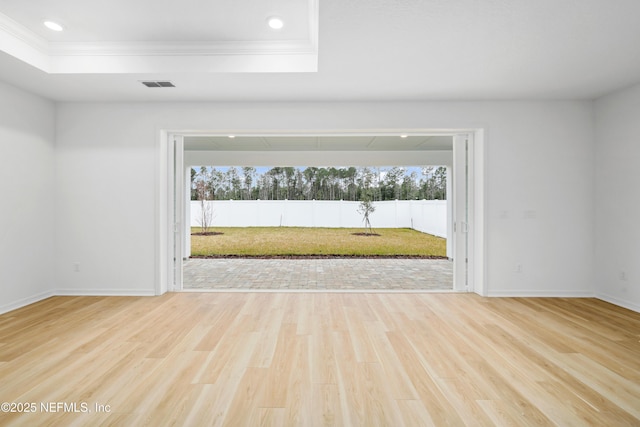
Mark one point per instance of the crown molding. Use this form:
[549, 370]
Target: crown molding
[161, 57]
[278, 47]
[161, 64]
[23, 44]
[11, 28]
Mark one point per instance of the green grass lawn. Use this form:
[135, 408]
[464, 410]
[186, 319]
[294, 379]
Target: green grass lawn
[300, 241]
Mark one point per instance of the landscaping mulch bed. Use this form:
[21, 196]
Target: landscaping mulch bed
[208, 233]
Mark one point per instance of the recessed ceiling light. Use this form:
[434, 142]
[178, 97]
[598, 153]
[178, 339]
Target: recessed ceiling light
[275, 22]
[53, 26]
[404, 135]
[232, 136]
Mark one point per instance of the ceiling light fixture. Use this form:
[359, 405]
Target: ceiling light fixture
[275, 22]
[53, 26]
[232, 136]
[404, 135]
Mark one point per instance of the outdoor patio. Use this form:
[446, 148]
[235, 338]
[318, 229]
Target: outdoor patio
[319, 274]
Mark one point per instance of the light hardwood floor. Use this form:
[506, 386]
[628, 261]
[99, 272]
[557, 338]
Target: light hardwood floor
[260, 359]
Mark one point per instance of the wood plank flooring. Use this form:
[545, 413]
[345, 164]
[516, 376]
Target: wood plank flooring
[320, 359]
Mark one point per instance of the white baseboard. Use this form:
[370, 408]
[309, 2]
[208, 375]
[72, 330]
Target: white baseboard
[541, 294]
[619, 302]
[106, 292]
[25, 301]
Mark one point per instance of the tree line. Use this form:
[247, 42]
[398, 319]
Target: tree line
[313, 183]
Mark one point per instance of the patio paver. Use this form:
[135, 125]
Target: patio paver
[318, 274]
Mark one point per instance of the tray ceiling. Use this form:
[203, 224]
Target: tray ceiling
[142, 36]
[354, 50]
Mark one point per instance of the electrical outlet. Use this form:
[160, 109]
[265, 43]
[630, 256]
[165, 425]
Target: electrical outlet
[76, 267]
[519, 268]
[623, 276]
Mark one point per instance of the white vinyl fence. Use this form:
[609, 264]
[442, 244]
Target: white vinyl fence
[428, 216]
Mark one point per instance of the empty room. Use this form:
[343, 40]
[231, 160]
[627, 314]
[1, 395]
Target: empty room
[539, 103]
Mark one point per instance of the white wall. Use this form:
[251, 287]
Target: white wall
[27, 129]
[617, 202]
[540, 199]
[539, 175]
[106, 158]
[428, 216]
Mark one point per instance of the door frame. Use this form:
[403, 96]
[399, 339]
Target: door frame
[461, 211]
[171, 218]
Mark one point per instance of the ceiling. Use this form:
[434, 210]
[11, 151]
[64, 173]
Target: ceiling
[320, 143]
[339, 50]
[141, 20]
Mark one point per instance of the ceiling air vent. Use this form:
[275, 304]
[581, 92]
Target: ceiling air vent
[158, 84]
